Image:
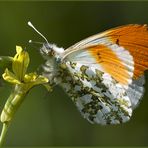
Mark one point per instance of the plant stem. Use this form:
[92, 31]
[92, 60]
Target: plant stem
[12, 104]
[3, 133]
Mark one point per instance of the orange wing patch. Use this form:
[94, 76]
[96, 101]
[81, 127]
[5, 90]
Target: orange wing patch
[133, 38]
[110, 63]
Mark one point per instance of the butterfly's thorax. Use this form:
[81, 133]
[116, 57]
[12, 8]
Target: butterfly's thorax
[52, 67]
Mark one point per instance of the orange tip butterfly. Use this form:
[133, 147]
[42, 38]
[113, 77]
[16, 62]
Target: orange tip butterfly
[103, 74]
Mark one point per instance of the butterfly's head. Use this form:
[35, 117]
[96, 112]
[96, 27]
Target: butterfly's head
[48, 50]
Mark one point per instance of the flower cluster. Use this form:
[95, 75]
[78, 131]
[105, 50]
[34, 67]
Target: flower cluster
[22, 82]
[19, 67]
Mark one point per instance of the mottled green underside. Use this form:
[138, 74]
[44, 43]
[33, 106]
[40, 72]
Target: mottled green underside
[92, 96]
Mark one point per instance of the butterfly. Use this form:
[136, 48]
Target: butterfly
[102, 74]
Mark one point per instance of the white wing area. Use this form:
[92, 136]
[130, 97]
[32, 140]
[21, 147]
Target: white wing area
[83, 57]
[135, 91]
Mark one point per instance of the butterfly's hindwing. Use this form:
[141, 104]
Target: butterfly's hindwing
[98, 97]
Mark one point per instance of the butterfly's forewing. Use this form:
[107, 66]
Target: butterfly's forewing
[111, 59]
[121, 55]
[133, 38]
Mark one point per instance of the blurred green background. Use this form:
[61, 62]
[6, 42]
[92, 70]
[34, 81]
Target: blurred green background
[52, 119]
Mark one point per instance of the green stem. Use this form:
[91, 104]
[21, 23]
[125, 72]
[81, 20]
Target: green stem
[3, 133]
[13, 102]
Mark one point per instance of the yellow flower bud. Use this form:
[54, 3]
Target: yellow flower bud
[20, 63]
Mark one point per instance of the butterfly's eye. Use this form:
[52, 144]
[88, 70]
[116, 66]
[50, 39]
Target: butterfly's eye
[52, 53]
[47, 50]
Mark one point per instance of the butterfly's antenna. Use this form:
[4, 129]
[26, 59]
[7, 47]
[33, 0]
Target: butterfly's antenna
[30, 41]
[30, 24]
